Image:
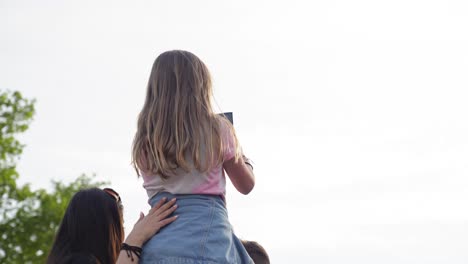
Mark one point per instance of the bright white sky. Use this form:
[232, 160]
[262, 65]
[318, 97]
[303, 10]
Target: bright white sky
[353, 111]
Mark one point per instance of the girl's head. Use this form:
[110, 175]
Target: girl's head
[92, 228]
[177, 119]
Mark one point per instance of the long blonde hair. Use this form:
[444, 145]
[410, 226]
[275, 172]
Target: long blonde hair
[177, 127]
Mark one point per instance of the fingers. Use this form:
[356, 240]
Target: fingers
[166, 221]
[140, 218]
[165, 206]
[167, 212]
[157, 215]
[158, 205]
[142, 215]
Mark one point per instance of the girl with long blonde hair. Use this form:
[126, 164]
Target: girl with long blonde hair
[182, 149]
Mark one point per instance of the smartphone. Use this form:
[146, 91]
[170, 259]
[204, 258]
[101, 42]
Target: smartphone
[228, 116]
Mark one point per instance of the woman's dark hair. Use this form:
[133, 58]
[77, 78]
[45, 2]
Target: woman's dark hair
[91, 228]
[80, 258]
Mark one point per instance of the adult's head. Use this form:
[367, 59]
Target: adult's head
[91, 227]
[256, 252]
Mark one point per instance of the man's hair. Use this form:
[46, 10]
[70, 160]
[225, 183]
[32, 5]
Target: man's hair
[256, 252]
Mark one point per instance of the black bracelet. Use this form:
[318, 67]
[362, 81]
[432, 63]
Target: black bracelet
[130, 250]
[248, 163]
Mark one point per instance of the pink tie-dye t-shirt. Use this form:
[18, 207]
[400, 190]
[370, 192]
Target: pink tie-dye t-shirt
[194, 182]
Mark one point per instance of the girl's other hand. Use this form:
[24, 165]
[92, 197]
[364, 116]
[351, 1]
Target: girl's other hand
[150, 224]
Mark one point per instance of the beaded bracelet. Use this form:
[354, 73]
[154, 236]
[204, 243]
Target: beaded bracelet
[130, 250]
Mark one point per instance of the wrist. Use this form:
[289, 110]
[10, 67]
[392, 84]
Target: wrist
[131, 250]
[133, 241]
[247, 161]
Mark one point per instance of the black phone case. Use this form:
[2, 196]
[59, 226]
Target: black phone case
[228, 116]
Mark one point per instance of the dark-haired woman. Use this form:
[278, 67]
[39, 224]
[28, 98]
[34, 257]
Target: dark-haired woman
[92, 229]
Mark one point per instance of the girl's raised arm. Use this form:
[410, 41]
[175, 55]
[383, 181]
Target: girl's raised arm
[241, 174]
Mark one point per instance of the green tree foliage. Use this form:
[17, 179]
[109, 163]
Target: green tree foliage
[28, 218]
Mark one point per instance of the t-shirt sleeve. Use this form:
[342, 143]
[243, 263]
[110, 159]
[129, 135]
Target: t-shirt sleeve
[228, 142]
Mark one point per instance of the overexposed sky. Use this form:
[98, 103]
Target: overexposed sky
[354, 112]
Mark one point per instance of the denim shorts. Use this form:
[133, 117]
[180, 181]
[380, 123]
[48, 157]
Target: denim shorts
[201, 234]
